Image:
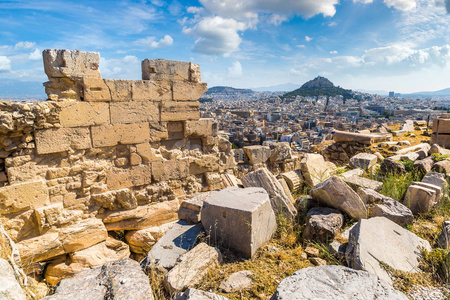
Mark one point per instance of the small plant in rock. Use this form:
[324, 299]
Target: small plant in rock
[409, 165]
[437, 263]
[438, 157]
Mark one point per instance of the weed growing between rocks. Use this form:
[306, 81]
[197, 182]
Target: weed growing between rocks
[395, 185]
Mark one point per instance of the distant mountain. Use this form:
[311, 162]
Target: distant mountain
[440, 93]
[373, 92]
[320, 86]
[277, 88]
[227, 89]
[22, 90]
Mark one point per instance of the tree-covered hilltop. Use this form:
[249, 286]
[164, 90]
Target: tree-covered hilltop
[320, 86]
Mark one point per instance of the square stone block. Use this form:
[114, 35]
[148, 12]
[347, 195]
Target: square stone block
[241, 219]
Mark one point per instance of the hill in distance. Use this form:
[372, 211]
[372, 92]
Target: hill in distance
[319, 86]
[227, 89]
[277, 88]
[440, 93]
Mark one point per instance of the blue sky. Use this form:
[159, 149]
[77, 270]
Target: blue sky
[400, 45]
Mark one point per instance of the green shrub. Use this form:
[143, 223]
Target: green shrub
[395, 185]
[438, 157]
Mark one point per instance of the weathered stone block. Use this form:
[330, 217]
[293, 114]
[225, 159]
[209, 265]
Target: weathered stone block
[10, 288]
[111, 135]
[134, 112]
[40, 248]
[23, 196]
[141, 241]
[203, 127]
[203, 164]
[78, 114]
[146, 90]
[188, 91]
[142, 217]
[315, 169]
[82, 235]
[147, 153]
[364, 161]
[95, 89]
[257, 154]
[241, 219]
[441, 125]
[170, 70]
[419, 199]
[170, 169]
[280, 152]
[117, 199]
[54, 140]
[179, 111]
[355, 182]
[71, 63]
[119, 178]
[120, 89]
[322, 224]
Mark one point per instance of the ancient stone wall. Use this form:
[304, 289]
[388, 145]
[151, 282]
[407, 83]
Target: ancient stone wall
[103, 155]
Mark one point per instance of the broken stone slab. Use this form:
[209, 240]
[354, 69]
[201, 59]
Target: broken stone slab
[442, 140]
[55, 140]
[257, 154]
[419, 199]
[146, 90]
[238, 281]
[175, 242]
[280, 201]
[356, 182]
[424, 165]
[392, 210]
[170, 70]
[192, 267]
[437, 189]
[442, 166]
[364, 161]
[241, 219]
[337, 249]
[315, 169]
[107, 135]
[392, 166]
[280, 151]
[180, 111]
[203, 127]
[10, 289]
[351, 173]
[436, 149]
[294, 180]
[369, 196]
[94, 256]
[188, 91]
[424, 147]
[342, 136]
[444, 237]
[322, 224]
[435, 178]
[379, 240]
[141, 241]
[412, 156]
[193, 294]
[73, 64]
[190, 209]
[336, 193]
[23, 196]
[334, 282]
[441, 125]
[124, 279]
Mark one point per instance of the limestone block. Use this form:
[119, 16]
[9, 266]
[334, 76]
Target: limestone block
[192, 267]
[419, 199]
[82, 235]
[340, 136]
[436, 188]
[188, 91]
[20, 226]
[237, 281]
[379, 239]
[280, 152]
[146, 90]
[134, 112]
[294, 180]
[49, 216]
[203, 127]
[142, 217]
[424, 165]
[354, 172]
[203, 164]
[364, 161]
[111, 135]
[281, 203]
[315, 169]
[176, 241]
[23, 196]
[323, 224]
[241, 219]
[61, 89]
[436, 179]
[147, 153]
[40, 248]
[441, 125]
[10, 289]
[193, 294]
[78, 114]
[392, 166]
[141, 241]
[190, 209]
[119, 178]
[335, 282]
[170, 169]
[71, 63]
[120, 89]
[124, 279]
[214, 181]
[180, 111]
[95, 89]
[54, 140]
[170, 70]
[257, 154]
[355, 182]
[117, 199]
[392, 210]
[442, 166]
[336, 193]
[442, 140]
[421, 147]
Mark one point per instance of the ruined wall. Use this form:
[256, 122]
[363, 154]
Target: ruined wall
[103, 155]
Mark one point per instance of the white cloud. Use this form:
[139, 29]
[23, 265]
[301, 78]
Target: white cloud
[128, 67]
[24, 45]
[401, 4]
[35, 55]
[301, 46]
[333, 52]
[235, 70]
[308, 39]
[363, 1]
[216, 35]
[5, 64]
[151, 43]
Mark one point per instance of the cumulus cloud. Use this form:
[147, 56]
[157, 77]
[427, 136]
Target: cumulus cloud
[308, 39]
[235, 70]
[151, 43]
[24, 45]
[35, 55]
[5, 64]
[397, 4]
[216, 35]
[128, 67]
